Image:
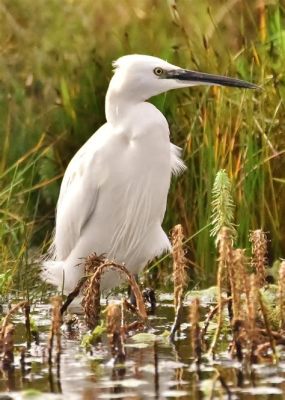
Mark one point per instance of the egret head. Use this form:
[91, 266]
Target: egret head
[139, 77]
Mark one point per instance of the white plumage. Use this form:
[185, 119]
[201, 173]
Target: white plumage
[113, 195]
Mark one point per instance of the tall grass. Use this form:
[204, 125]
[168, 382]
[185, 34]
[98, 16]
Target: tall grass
[55, 67]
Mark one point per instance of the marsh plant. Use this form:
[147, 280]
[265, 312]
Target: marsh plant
[95, 268]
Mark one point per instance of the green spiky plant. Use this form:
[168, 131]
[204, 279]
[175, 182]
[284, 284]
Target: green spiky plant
[222, 204]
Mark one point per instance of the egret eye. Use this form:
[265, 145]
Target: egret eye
[158, 71]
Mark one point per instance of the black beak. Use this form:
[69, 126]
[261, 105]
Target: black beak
[203, 78]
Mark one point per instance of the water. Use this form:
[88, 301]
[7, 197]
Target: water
[154, 369]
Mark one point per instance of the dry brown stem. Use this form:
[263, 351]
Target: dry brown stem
[239, 283]
[116, 331]
[134, 326]
[281, 294]
[253, 301]
[196, 343]
[8, 346]
[91, 295]
[267, 326]
[239, 338]
[262, 20]
[211, 315]
[259, 255]
[225, 243]
[27, 309]
[95, 266]
[113, 318]
[180, 277]
[276, 335]
[56, 321]
[6, 319]
[6, 334]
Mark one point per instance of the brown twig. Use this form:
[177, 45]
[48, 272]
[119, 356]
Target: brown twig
[7, 335]
[252, 313]
[225, 242]
[95, 267]
[239, 283]
[134, 326]
[258, 240]
[8, 346]
[6, 319]
[116, 331]
[196, 342]
[27, 310]
[239, 338]
[267, 326]
[180, 277]
[211, 315]
[56, 321]
[281, 294]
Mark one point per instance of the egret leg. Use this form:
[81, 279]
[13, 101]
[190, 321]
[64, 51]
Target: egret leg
[149, 296]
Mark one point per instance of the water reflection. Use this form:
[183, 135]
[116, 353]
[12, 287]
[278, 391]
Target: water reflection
[155, 370]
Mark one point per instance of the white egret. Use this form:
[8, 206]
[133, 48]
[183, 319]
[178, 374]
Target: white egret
[113, 194]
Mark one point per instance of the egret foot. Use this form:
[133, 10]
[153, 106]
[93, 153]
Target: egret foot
[149, 297]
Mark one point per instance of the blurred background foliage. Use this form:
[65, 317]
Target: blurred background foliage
[54, 71]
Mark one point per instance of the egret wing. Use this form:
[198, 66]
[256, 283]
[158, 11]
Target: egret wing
[78, 196]
[177, 164]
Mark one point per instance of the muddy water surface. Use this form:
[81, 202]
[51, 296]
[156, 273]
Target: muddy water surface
[154, 368]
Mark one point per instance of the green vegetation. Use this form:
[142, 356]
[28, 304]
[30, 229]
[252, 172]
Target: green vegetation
[222, 204]
[90, 338]
[54, 71]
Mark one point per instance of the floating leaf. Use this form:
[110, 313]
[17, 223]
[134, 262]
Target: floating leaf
[144, 337]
